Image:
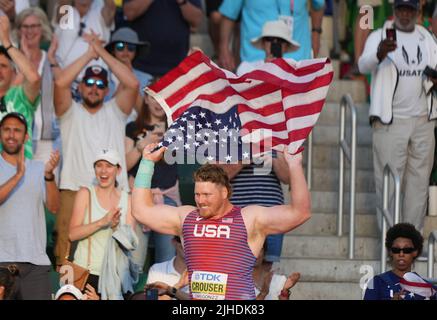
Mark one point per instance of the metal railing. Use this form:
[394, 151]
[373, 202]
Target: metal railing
[350, 154]
[309, 160]
[386, 215]
[431, 242]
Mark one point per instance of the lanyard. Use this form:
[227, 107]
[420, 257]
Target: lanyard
[278, 6]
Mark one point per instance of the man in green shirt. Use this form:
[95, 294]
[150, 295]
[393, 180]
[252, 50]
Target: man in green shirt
[25, 97]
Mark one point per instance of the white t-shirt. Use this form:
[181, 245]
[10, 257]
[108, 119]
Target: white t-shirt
[84, 135]
[165, 272]
[410, 59]
[71, 45]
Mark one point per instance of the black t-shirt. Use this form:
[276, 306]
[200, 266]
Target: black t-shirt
[165, 175]
[168, 33]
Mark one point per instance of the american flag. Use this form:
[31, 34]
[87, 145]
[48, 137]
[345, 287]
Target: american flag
[227, 118]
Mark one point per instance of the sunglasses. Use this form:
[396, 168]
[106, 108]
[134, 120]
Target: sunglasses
[404, 250]
[119, 46]
[99, 83]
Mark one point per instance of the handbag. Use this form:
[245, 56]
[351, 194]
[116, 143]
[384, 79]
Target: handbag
[79, 274]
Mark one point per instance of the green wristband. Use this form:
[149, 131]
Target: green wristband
[144, 174]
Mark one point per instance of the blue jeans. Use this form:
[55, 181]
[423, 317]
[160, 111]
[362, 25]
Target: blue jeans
[274, 247]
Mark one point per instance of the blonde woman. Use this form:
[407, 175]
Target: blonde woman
[32, 31]
[109, 207]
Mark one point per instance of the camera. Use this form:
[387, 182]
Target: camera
[430, 72]
[276, 49]
[151, 294]
[391, 34]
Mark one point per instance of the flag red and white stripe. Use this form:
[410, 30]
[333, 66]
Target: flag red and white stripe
[284, 96]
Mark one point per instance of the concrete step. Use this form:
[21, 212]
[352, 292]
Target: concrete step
[325, 224]
[327, 202]
[326, 291]
[355, 88]
[335, 66]
[330, 114]
[335, 270]
[326, 156]
[323, 134]
[327, 180]
[332, 247]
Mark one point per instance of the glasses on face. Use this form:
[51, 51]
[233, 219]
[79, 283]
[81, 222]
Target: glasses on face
[119, 46]
[404, 250]
[30, 26]
[99, 83]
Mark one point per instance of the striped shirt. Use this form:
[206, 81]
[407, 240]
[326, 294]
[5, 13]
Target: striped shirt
[219, 260]
[252, 189]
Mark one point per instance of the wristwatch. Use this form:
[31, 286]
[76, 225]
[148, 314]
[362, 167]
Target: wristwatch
[318, 30]
[51, 177]
[172, 291]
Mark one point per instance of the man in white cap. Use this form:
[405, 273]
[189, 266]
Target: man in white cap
[402, 106]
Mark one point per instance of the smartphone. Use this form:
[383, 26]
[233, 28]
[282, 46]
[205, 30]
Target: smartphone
[151, 294]
[391, 33]
[276, 49]
[430, 72]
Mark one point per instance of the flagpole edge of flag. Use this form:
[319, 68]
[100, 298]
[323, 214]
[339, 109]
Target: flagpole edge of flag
[161, 102]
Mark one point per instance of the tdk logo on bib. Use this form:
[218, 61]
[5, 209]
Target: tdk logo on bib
[208, 277]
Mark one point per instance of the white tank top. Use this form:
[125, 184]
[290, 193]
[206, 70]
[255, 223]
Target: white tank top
[100, 238]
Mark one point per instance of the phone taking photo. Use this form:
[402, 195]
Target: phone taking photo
[151, 294]
[276, 49]
[390, 33]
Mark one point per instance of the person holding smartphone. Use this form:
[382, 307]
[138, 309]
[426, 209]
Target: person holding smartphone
[401, 101]
[275, 40]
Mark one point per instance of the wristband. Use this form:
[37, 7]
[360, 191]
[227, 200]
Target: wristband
[318, 30]
[144, 174]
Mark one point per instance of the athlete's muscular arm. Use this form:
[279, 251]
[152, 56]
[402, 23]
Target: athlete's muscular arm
[284, 218]
[160, 218]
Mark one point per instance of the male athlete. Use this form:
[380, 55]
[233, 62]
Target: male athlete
[221, 241]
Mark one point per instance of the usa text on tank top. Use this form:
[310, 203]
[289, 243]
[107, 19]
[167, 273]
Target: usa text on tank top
[219, 260]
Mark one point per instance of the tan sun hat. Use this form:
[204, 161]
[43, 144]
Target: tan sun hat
[277, 29]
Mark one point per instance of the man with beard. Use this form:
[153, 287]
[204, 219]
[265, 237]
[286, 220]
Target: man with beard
[22, 222]
[23, 98]
[89, 126]
[402, 109]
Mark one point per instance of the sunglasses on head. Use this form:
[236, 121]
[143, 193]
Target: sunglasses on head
[119, 46]
[99, 83]
[404, 250]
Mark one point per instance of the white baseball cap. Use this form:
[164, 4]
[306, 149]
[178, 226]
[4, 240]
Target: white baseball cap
[277, 29]
[109, 155]
[69, 289]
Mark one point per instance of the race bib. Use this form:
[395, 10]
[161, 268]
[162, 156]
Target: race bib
[208, 285]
